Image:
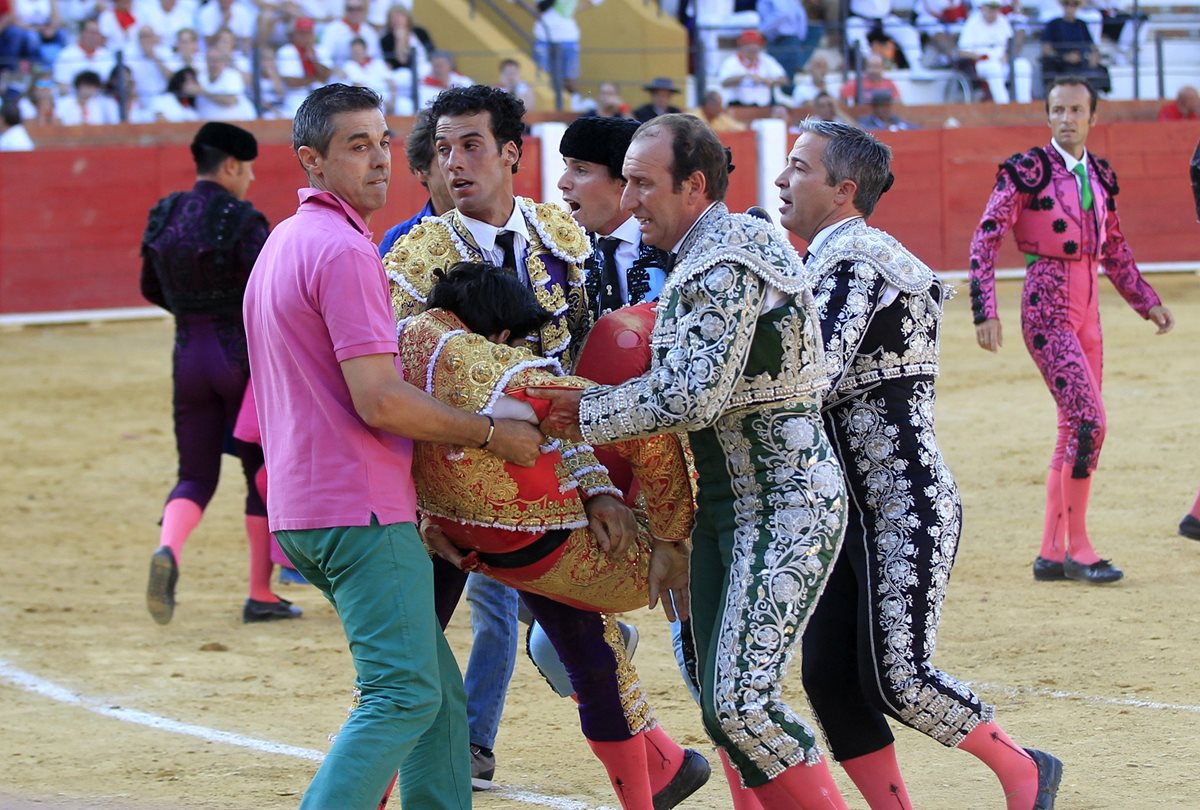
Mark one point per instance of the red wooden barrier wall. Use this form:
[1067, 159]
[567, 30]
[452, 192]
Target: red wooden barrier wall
[71, 221]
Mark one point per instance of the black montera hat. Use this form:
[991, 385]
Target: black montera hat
[599, 140]
[233, 141]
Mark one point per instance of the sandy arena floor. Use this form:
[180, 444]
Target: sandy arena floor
[1108, 678]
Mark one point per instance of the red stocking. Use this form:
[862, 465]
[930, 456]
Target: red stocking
[1076, 492]
[802, 787]
[1014, 768]
[877, 777]
[743, 798]
[1054, 531]
[625, 762]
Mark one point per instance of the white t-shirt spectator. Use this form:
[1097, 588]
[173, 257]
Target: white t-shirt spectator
[229, 82]
[750, 92]
[166, 107]
[97, 110]
[72, 60]
[375, 74]
[289, 65]
[31, 13]
[146, 73]
[334, 46]
[210, 19]
[16, 139]
[116, 36]
[167, 23]
[983, 38]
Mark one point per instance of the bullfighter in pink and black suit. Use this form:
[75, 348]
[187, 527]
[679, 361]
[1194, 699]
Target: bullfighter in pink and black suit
[1060, 203]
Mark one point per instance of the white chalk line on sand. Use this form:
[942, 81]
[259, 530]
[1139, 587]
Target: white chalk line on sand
[48, 689]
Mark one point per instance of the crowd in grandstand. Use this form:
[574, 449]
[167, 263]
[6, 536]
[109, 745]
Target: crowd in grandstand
[74, 62]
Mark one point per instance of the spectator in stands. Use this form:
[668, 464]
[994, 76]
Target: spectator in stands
[87, 54]
[87, 105]
[784, 23]
[941, 21]
[813, 82]
[510, 81]
[169, 17]
[557, 32]
[237, 17]
[185, 52]
[405, 44]
[119, 25]
[713, 113]
[178, 103]
[983, 46]
[362, 69]
[826, 107]
[222, 90]
[338, 35]
[13, 137]
[882, 116]
[40, 20]
[1185, 107]
[609, 103]
[859, 89]
[149, 63]
[37, 104]
[299, 67]
[866, 15]
[1068, 50]
[443, 75]
[749, 76]
[225, 41]
[882, 44]
[662, 92]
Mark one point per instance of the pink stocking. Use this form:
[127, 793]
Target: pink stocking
[663, 757]
[625, 762]
[877, 777]
[802, 787]
[1076, 492]
[743, 798]
[258, 538]
[1054, 531]
[1015, 769]
[1196, 508]
[180, 518]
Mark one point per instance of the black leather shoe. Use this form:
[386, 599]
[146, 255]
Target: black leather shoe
[1190, 527]
[1047, 570]
[1049, 775]
[1098, 573]
[256, 611]
[692, 774]
[160, 590]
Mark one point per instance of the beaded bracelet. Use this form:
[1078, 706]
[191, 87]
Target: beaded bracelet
[491, 429]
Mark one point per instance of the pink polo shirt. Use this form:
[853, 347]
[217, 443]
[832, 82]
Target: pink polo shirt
[318, 296]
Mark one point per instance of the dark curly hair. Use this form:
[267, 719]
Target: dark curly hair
[487, 299]
[505, 109]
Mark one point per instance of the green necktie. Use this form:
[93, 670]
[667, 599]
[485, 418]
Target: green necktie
[1085, 188]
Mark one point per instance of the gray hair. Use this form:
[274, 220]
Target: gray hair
[853, 154]
[313, 125]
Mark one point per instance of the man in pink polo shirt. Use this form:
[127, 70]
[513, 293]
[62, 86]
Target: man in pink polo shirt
[337, 425]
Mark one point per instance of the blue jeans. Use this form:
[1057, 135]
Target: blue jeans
[493, 655]
[411, 712]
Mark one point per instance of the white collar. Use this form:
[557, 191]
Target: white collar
[815, 245]
[485, 233]
[628, 231]
[1068, 158]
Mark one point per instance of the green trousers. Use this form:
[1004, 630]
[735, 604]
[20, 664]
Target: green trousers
[411, 715]
[772, 511]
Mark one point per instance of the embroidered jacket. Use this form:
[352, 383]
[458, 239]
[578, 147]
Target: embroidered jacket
[1038, 199]
[557, 250]
[474, 487]
[637, 279]
[869, 339]
[705, 331]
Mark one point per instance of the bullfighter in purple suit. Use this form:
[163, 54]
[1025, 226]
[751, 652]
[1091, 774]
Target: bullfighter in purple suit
[1060, 203]
[197, 252]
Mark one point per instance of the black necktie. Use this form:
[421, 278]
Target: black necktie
[505, 240]
[610, 278]
[668, 263]
[807, 256]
